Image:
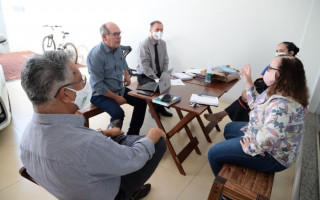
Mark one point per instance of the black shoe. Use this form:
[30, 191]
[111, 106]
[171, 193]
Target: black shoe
[142, 192]
[115, 124]
[165, 113]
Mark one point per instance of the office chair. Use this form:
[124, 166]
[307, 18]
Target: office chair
[125, 51]
[23, 172]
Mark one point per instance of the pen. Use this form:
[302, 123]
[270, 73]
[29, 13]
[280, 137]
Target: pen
[195, 105]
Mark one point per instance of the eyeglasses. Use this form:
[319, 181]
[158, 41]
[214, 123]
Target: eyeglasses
[115, 34]
[83, 79]
[269, 68]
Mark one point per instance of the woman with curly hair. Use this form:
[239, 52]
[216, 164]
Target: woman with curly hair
[270, 141]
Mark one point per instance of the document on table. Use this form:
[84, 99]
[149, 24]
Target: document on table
[203, 99]
[177, 82]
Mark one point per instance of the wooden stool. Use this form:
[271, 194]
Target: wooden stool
[89, 111]
[240, 183]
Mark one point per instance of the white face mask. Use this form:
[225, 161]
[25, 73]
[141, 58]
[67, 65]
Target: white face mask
[280, 54]
[83, 96]
[157, 35]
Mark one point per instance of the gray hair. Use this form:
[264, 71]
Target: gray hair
[43, 75]
[154, 22]
[104, 30]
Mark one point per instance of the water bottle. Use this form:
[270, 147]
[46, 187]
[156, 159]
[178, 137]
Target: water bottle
[209, 73]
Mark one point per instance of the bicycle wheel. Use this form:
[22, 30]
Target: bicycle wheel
[48, 43]
[73, 50]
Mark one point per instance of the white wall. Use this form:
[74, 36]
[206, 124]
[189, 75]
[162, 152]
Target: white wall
[227, 32]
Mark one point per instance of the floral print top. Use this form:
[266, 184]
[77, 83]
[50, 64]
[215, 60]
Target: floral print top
[276, 125]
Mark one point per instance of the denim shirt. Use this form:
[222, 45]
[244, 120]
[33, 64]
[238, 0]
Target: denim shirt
[276, 125]
[106, 69]
[75, 162]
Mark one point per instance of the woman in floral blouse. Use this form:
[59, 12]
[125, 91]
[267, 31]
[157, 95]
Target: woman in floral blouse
[271, 140]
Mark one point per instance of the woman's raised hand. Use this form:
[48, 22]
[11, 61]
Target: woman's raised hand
[245, 72]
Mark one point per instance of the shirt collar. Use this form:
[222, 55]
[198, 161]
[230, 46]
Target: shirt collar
[71, 119]
[152, 41]
[107, 49]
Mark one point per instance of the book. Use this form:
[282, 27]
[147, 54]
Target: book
[157, 100]
[182, 76]
[204, 99]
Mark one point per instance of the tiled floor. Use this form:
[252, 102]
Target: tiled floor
[167, 183]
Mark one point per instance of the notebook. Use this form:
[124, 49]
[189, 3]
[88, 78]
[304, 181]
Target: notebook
[203, 99]
[163, 84]
[172, 101]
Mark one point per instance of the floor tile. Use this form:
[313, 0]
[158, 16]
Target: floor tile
[166, 184]
[25, 190]
[194, 191]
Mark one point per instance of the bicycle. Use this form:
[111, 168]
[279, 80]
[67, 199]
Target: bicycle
[49, 44]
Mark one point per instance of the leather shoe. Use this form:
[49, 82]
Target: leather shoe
[115, 124]
[165, 113]
[142, 192]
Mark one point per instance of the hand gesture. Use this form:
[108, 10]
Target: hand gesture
[245, 72]
[245, 143]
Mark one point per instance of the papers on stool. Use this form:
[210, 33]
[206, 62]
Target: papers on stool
[182, 76]
[203, 99]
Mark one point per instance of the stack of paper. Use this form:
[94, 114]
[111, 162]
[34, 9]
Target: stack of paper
[182, 76]
[203, 99]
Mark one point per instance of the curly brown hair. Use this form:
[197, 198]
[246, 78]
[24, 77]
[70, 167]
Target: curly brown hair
[291, 81]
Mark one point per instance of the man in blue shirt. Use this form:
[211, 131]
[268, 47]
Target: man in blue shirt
[108, 77]
[70, 160]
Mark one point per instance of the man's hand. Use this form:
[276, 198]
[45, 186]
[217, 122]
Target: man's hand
[126, 79]
[245, 143]
[120, 100]
[112, 132]
[155, 134]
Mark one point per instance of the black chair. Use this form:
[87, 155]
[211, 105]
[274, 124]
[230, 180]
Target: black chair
[125, 51]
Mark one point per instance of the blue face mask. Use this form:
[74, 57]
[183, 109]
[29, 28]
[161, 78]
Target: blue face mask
[83, 96]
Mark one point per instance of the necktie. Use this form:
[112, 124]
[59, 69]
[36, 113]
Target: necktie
[157, 60]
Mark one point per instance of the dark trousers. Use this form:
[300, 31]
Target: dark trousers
[238, 111]
[130, 183]
[230, 151]
[116, 112]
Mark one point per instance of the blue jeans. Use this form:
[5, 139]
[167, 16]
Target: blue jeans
[230, 151]
[130, 183]
[116, 112]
